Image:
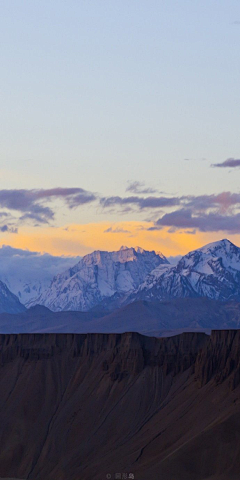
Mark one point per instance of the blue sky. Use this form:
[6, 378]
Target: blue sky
[100, 94]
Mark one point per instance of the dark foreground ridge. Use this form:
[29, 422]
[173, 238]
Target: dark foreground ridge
[81, 406]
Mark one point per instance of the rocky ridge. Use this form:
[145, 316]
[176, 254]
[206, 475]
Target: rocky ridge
[216, 356]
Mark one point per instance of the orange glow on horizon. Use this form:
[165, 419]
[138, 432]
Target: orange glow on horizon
[82, 239]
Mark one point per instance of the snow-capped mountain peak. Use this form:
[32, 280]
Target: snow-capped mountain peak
[100, 275]
[130, 274]
[212, 271]
[202, 258]
[223, 244]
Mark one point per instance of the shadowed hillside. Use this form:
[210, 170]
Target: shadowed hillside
[80, 406]
[149, 318]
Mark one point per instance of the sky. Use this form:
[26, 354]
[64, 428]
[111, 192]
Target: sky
[119, 124]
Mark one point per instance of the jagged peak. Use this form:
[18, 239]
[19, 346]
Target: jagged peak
[210, 248]
[160, 254]
[139, 249]
[103, 274]
[123, 248]
[224, 242]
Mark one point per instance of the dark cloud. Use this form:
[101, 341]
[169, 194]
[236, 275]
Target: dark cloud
[139, 202]
[139, 188]
[206, 222]
[222, 201]
[229, 163]
[203, 212]
[31, 202]
[206, 213]
[38, 218]
[8, 229]
[58, 192]
[80, 199]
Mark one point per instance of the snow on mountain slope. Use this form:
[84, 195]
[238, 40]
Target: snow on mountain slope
[27, 274]
[9, 303]
[212, 271]
[97, 276]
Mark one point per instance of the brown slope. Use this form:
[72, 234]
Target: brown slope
[79, 406]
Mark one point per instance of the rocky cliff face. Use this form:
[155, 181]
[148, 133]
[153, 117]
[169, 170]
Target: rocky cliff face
[98, 276]
[216, 356]
[82, 406]
[124, 354]
[220, 359]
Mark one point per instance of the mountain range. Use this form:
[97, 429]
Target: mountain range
[113, 279]
[212, 271]
[106, 281]
[99, 276]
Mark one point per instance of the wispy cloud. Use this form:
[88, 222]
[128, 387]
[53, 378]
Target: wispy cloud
[116, 230]
[140, 188]
[229, 163]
